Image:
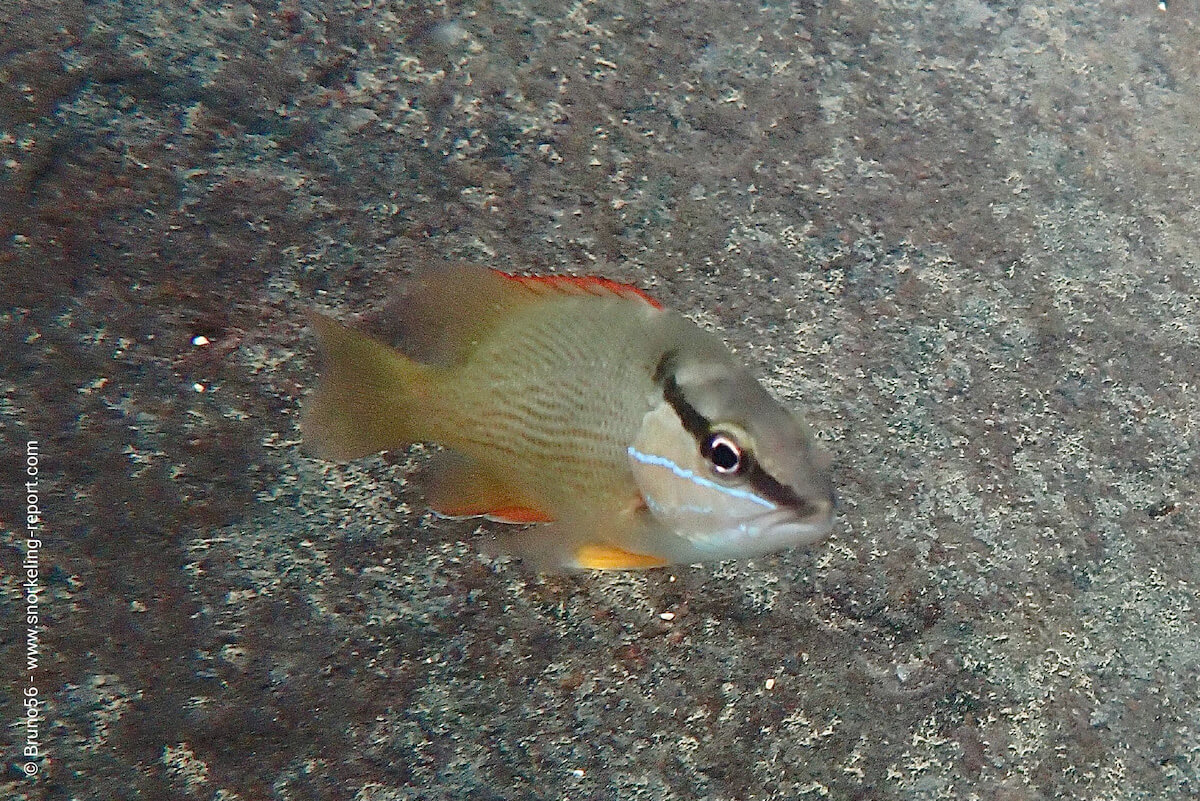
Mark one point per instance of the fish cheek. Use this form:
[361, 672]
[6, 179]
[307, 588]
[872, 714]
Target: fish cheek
[665, 461]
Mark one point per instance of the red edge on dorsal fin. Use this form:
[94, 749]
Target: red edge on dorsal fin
[580, 285]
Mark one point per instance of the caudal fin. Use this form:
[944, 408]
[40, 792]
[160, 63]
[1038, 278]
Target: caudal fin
[370, 398]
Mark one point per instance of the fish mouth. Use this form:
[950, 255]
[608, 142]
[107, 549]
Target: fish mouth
[774, 530]
[787, 526]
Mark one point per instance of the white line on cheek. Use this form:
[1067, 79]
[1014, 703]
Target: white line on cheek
[662, 461]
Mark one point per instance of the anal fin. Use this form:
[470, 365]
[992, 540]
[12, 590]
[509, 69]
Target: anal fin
[518, 514]
[460, 487]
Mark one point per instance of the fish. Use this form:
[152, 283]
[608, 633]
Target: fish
[619, 433]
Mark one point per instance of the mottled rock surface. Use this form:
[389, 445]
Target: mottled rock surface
[964, 236]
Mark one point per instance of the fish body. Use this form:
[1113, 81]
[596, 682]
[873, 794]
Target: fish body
[630, 435]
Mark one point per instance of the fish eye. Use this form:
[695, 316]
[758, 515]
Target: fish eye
[724, 454]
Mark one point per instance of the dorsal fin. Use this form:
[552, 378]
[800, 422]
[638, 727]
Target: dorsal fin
[580, 285]
[444, 312]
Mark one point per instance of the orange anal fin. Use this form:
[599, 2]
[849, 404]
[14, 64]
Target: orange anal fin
[610, 557]
[518, 514]
[458, 487]
[503, 514]
[580, 285]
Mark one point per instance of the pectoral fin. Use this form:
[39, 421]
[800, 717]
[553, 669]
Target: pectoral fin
[610, 557]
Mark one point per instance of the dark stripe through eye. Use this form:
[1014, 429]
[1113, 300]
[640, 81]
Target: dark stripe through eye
[693, 422]
[766, 485]
[700, 427]
[665, 367]
[724, 454]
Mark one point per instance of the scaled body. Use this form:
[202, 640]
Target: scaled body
[582, 405]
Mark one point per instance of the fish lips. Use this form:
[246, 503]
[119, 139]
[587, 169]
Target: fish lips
[782, 528]
[771, 531]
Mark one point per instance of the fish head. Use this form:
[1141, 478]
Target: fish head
[728, 469]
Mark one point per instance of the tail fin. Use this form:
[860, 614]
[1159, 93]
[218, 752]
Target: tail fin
[370, 398]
